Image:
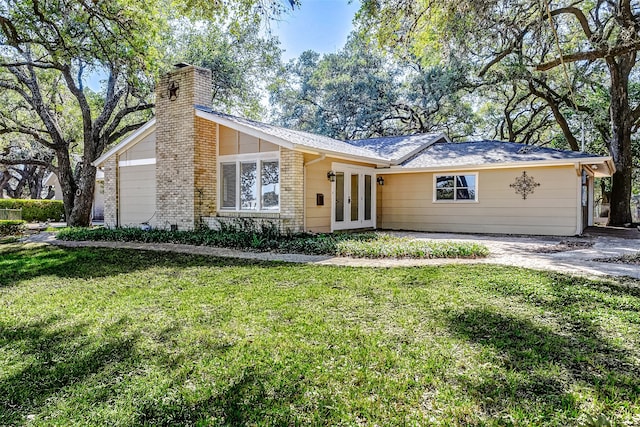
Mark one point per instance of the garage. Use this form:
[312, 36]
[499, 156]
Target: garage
[137, 194]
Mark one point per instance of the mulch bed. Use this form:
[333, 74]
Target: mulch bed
[564, 246]
[624, 259]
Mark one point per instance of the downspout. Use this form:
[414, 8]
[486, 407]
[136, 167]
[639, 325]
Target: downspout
[304, 188]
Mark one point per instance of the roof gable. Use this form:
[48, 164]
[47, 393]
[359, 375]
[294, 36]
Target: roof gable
[292, 139]
[128, 142]
[399, 148]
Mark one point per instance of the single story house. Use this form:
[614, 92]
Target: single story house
[192, 165]
[97, 208]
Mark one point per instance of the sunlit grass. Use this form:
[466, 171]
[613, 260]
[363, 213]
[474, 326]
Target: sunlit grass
[119, 337]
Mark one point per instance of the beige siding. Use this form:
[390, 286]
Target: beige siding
[318, 218]
[234, 142]
[145, 149]
[267, 146]
[228, 141]
[137, 188]
[247, 143]
[405, 202]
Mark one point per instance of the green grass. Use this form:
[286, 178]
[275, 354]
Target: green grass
[269, 238]
[119, 338]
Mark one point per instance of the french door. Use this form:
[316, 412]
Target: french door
[354, 198]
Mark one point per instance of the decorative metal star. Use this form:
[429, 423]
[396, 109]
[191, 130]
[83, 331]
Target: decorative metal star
[173, 90]
[524, 185]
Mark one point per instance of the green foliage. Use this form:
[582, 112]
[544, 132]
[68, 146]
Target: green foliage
[248, 235]
[111, 337]
[11, 227]
[50, 49]
[243, 61]
[35, 209]
[362, 92]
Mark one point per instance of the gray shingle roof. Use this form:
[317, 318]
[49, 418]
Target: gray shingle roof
[486, 152]
[411, 151]
[305, 139]
[398, 148]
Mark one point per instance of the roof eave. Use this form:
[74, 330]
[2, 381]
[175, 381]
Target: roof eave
[506, 165]
[379, 162]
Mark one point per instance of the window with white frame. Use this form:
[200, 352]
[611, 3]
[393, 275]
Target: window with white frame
[249, 184]
[456, 187]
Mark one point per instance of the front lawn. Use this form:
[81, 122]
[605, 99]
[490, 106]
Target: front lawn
[121, 337]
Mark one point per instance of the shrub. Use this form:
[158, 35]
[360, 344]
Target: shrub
[36, 209]
[11, 227]
[248, 235]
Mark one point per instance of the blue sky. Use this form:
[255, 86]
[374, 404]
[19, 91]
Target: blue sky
[320, 25]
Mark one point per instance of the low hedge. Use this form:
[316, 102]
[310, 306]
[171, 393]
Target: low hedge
[11, 227]
[36, 209]
[358, 245]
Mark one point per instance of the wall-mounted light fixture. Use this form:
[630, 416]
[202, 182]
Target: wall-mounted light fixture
[331, 176]
[380, 180]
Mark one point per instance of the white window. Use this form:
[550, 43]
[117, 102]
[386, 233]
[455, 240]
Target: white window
[249, 184]
[456, 187]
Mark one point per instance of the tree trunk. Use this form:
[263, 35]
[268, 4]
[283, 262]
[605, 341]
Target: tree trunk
[77, 190]
[620, 141]
[83, 202]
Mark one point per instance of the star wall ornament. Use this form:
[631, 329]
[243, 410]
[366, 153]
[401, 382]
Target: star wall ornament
[524, 185]
[173, 90]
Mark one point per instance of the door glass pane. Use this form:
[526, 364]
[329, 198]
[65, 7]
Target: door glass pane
[367, 197]
[248, 186]
[354, 196]
[228, 185]
[339, 196]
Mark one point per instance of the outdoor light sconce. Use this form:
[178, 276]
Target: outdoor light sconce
[380, 180]
[331, 176]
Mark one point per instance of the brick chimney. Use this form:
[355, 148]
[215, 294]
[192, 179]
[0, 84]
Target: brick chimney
[181, 145]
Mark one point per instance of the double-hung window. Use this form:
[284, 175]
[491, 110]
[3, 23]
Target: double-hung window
[456, 187]
[250, 184]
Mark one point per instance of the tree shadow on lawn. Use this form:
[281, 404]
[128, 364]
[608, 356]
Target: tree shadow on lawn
[27, 262]
[547, 364]
[56, 358]
[253, 398]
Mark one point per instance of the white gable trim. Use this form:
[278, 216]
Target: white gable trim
[131, 140]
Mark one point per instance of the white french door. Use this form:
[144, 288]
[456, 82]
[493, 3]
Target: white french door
[353, 198]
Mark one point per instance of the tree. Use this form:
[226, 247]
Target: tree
[555, 54]
[47, 50]
[242, 62]
[360, 92]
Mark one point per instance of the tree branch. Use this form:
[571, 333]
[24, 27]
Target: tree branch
[123, 131]
[14, 162]
[590, 55]
[582, 19]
